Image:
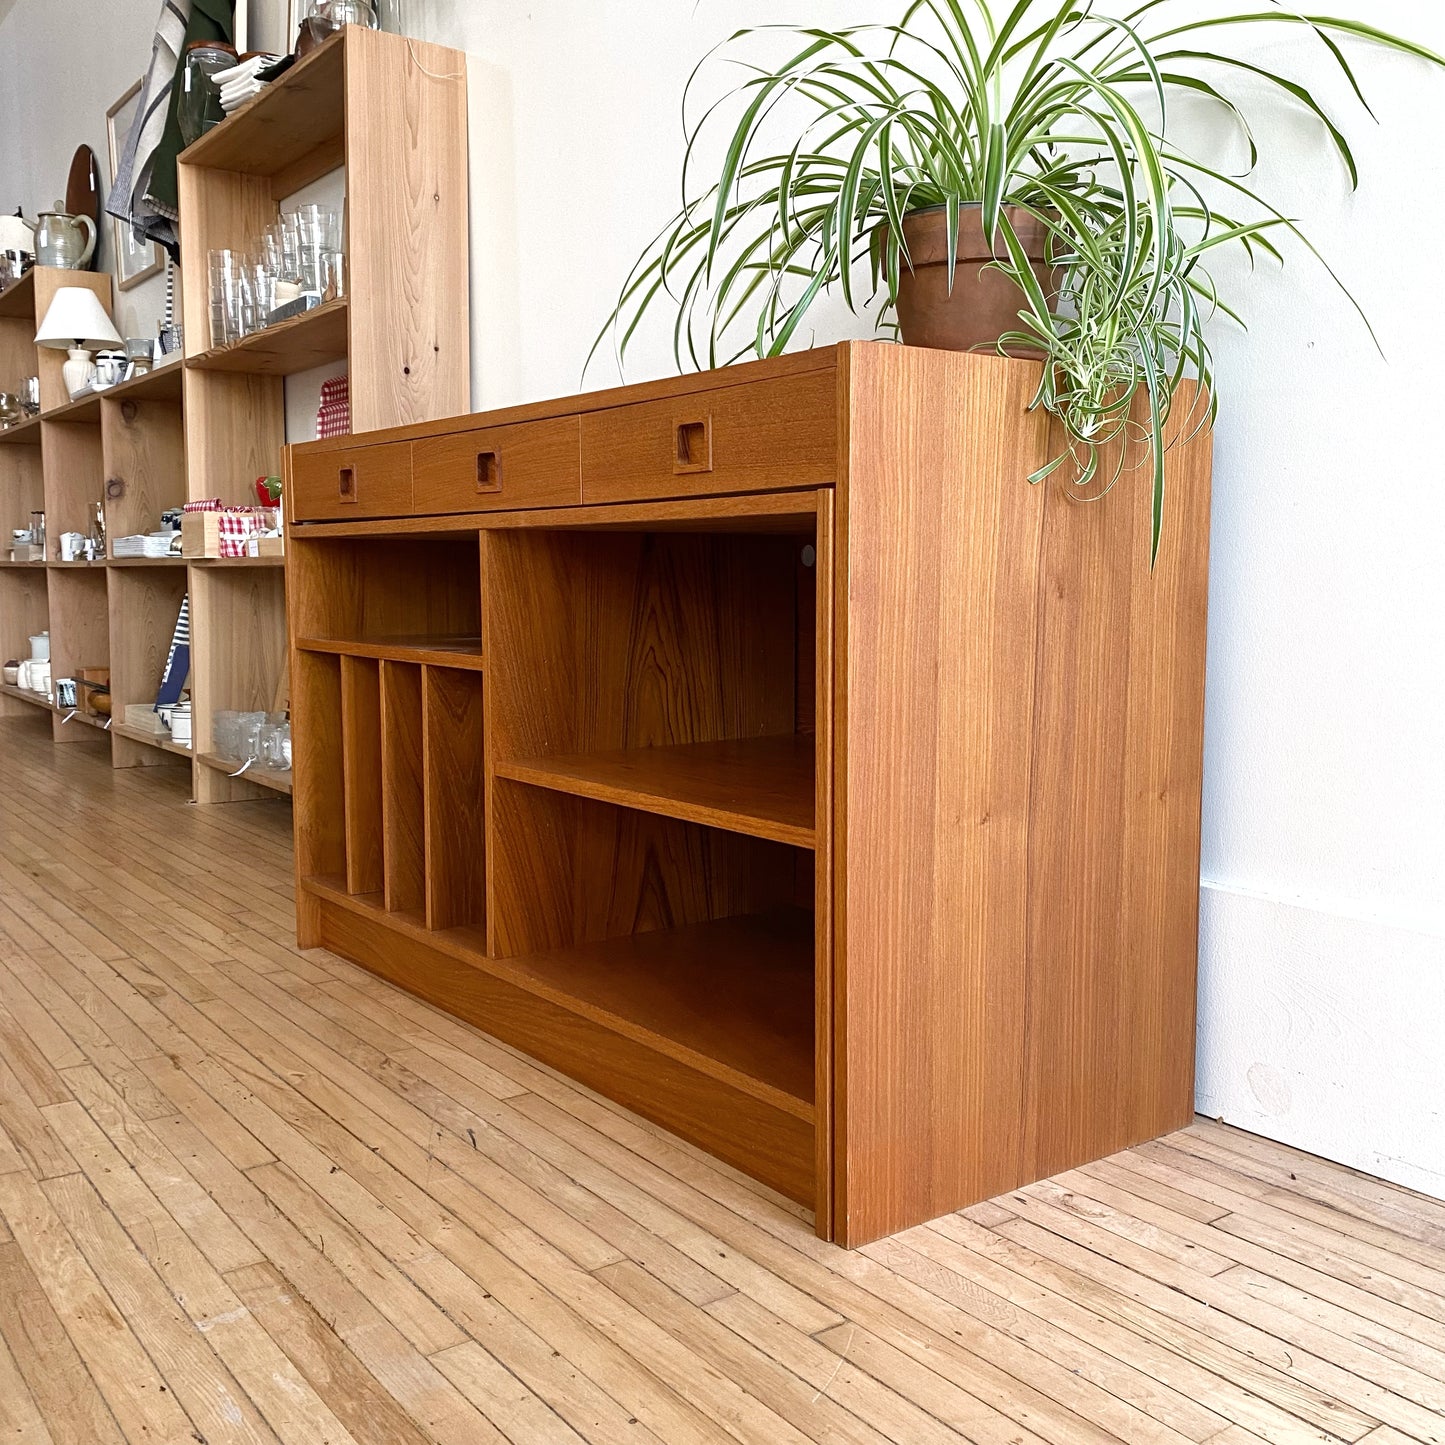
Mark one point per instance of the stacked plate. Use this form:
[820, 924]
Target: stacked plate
[241, 83]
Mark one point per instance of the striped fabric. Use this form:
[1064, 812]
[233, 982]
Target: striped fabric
[127, 201]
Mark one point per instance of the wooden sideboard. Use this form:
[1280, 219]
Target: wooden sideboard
[760, 749]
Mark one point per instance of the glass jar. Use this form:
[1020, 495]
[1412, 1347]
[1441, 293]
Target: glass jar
[199, 107]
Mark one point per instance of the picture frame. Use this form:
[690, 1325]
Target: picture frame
[135, 261]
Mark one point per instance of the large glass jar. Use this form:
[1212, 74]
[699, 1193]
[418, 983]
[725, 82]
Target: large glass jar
[199, 107]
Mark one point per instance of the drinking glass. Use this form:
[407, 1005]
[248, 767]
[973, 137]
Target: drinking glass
[225, 297]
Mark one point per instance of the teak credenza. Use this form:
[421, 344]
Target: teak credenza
[758, 748]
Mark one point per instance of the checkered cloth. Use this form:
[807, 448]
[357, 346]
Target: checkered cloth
[333, 416]
[237, 525]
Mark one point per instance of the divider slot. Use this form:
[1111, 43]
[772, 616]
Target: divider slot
[455, 776]
[361, 750]
[402, 808]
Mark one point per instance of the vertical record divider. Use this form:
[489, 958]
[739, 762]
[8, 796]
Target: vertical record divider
[402, 814]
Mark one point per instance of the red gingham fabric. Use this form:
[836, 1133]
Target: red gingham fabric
[237, 525]
[333, 416]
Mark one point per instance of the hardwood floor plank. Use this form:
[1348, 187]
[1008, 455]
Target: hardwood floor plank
[252, 1193]
[21, 1422]
[45, 1355]
[138, 1397]
[192, 1372]
[350, 1390]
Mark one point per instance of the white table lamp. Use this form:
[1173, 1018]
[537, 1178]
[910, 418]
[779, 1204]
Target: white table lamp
[76, 322]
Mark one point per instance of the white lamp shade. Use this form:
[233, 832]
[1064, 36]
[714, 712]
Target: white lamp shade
[76, 318]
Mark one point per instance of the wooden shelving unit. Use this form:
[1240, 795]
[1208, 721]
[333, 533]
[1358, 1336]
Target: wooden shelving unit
[830, 798]
[389, 111]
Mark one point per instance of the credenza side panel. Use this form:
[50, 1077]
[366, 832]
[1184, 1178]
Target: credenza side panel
[1018, 716]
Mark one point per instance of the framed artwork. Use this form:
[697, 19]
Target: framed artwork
[134, 260]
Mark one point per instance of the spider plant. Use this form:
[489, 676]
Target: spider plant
[1058, 107]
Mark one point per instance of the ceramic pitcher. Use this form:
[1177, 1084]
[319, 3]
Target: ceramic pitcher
[64, 240]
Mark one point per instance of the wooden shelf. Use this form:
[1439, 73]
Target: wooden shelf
[293, 117]
[36, 699]
[222, 563]
[732, 998]
[40, 700]
[759, 786]
[21, 564]
[70, 715]
[25, 433]
[464, 652]
[160, 383]
[315, 338]
[19, 299]
[81, 565]
[85, 409]
[264, 777]
[145, 561]
[155, 740]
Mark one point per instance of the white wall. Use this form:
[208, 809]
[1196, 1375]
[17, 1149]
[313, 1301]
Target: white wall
[1323, 930]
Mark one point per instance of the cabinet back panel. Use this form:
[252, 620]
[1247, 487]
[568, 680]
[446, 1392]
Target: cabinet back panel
[568, 870]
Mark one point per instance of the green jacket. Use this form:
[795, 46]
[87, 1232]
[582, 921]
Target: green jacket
[210, 20]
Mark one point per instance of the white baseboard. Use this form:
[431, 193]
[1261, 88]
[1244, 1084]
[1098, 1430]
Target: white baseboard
[1325, 1030]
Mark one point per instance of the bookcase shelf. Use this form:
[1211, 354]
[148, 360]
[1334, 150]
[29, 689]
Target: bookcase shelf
[759, 786]
[389, 111]
[312, 339]
[461, 652]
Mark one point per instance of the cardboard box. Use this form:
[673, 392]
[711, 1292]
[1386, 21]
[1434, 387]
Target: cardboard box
[201, 531]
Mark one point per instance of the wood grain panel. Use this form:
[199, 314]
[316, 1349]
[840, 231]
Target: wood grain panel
[359, 482]
[1115, 818]
[144, 606]
[771, 434]
[998, 638]
[638, 640]
[531, 464]
[374, 590]
[361, 755]
[144, 449]
[403, 819]
[241, 614]
[319, 787]
[567, 870]
[74, 479]
[22, 486]
[454, 767]
[769, 1143]
[79, 633]
[235, 429]
[406, 182]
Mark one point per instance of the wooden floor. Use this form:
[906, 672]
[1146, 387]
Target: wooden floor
[248, 1194]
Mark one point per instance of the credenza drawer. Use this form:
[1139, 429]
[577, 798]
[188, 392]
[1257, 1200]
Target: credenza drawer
[761, 436]
[352, 482]
[527, 464]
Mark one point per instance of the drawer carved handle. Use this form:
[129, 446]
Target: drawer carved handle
[346, 484]
[489, 471]
[693, 451]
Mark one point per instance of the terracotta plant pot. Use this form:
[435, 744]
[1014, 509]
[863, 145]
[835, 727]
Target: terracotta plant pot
[983, 304]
